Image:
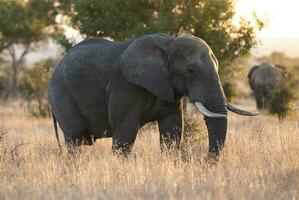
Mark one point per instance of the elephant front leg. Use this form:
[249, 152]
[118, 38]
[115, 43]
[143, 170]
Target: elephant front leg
[171, 129]
[123, 138]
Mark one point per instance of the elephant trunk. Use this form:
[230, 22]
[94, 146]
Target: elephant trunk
[216, 122]
[211, 102]
[217, 128]
[214, 107]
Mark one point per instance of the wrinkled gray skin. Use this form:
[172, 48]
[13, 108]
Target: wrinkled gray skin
[111, 89]
[262, 80]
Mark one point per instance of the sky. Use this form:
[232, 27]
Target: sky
[282, 30]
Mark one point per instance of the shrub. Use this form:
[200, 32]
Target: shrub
[4, 86]
[33, 88]
[284, 96]
[230, 90]
[194, 137]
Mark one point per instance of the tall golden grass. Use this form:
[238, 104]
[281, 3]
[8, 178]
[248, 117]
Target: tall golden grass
[260, 161]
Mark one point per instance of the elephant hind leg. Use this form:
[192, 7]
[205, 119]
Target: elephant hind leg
[79, 138]
[75, 133]
[71, 123]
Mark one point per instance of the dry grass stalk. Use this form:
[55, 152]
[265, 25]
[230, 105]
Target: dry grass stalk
[260, 161]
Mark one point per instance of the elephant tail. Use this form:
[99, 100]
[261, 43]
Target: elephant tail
[56, 130]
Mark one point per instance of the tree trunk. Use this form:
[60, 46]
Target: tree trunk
[14, 82]
[5, 45]
[16, 65]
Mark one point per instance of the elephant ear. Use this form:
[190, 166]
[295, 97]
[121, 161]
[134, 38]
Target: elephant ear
[145, 63]
[250, 80]
[252, 70]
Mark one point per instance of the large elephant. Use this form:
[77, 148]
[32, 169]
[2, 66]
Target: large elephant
[110, 89]
[263, 79]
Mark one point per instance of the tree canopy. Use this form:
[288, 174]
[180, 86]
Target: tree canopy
[22, 24]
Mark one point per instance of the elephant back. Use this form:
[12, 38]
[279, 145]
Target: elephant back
[265, 76]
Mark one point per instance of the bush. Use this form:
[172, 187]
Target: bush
[230, 90]
[4, 86]
[33, 88]
[194, 137]
[284, 96]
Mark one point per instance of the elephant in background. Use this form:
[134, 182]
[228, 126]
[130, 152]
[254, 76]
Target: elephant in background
[263, 79]
[111, 89]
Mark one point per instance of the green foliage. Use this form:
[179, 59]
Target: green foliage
[33, 87]
[116, 19]
[284, 96]
[25, 21]
[61, 39]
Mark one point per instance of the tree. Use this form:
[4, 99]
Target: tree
[209, 20]
[22, 25]
[3, 81]
[284, 97]
[34, 84]
[116, 19]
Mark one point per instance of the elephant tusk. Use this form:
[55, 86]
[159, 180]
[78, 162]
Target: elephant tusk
[202, 109]
[234, 109]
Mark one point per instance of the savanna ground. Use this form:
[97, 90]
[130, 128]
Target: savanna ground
[260, 161]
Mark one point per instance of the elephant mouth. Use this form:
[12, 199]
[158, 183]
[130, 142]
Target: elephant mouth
[204, 111]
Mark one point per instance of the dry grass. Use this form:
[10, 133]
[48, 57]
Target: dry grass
[260, 161]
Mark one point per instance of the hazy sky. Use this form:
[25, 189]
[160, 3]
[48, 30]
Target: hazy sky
[283, 15]
[282, 30]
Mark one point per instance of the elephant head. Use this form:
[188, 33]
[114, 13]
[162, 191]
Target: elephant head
[172, 67]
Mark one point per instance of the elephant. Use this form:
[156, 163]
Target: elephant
[104, 89]
[263, 79]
